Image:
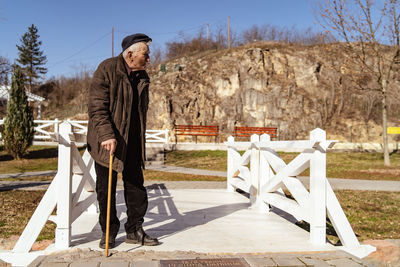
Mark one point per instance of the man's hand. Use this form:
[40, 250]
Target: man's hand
[110, 145]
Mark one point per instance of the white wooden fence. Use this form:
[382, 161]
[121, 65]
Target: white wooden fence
[45, 129]
[263, 174]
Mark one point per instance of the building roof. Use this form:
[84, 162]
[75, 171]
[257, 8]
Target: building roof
[4, 94]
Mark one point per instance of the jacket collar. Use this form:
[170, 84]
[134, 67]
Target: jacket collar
[121, 71]
[121, 68]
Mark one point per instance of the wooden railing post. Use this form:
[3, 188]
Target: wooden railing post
[265, 170]
[265, 174]
[230, 165]
[56, 126]
[254, 169]
[318, 190]
[64, 188]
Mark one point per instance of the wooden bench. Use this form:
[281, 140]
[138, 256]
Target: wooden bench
[248, 131]
[196, 130]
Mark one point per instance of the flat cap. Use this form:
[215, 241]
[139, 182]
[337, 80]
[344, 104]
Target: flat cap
[134, 38]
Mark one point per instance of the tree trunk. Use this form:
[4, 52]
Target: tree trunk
[384, 125]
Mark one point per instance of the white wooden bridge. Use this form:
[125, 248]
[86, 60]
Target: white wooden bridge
[212, 220]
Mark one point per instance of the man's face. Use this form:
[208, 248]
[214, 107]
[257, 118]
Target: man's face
[140, 60]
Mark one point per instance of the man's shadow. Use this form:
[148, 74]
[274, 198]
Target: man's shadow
[160, 199]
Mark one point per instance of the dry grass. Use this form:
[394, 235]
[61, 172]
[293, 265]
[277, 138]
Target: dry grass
[17, 208]
[373, 215]
[367, 166]
[206, 159]
[167, 176]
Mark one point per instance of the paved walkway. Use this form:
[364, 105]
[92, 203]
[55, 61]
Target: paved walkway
[27, 174]
[336, 183]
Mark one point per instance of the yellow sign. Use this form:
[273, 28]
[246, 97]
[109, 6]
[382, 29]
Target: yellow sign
[393, 130]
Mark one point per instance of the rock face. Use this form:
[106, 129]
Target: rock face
[295, 88]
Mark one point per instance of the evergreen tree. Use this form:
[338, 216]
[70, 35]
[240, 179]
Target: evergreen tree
[18, 127]
[30, 56]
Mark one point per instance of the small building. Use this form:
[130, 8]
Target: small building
[4, 96]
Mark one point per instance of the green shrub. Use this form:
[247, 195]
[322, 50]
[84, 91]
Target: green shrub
[18, 127]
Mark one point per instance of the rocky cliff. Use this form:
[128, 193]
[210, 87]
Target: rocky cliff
[296, 88]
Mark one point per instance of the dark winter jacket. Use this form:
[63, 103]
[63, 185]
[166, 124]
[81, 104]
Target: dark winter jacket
[110, 104]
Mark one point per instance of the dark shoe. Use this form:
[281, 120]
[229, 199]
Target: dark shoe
[140, 237]
[111, 241]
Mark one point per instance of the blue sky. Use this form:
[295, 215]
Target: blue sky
[77, 34]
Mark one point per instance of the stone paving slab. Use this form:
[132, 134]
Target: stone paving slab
[84, 264]
[310, 261]
[153, 258]
[284, 260]
[113, 264]
[145, 264]
[256, 262]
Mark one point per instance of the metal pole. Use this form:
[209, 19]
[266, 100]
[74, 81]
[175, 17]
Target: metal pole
[229, 32]
[208, 33]
[112, 42]
[351, 133]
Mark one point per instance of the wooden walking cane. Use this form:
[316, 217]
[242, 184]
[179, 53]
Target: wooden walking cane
[109, 203]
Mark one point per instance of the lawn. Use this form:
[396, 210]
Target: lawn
[373, 215]
[39, 158]
[355, 165]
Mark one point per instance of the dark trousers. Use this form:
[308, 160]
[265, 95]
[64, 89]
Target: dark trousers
[134, 192]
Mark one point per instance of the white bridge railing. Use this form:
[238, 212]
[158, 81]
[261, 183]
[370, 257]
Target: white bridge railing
[263, 174]
[72, 191]
[45, 129]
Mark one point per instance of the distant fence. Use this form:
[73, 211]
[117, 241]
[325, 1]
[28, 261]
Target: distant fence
[46, 129]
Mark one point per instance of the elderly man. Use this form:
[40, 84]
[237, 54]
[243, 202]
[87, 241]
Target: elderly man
[118, 102]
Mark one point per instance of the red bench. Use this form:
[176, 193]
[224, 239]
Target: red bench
[248, 131]
[196, 130]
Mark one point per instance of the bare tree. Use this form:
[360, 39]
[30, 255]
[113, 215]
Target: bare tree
[254, 34]
[5, 70]
[268, 32]
[156, 55]
[370, 30]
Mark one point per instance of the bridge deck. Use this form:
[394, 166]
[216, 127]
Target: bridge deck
[202, 220]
